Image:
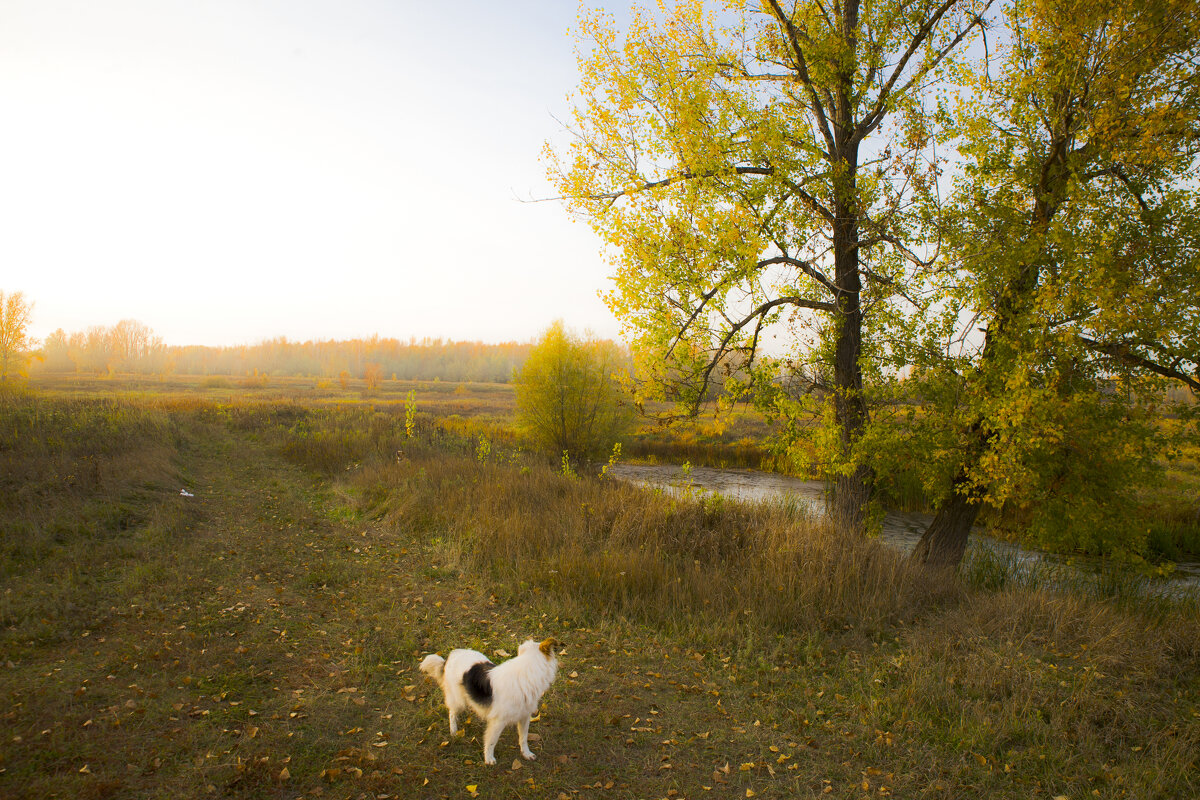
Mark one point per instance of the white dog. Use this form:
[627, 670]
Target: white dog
[503, 694]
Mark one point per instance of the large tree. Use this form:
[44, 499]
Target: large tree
[1074, 242]
[756, 170]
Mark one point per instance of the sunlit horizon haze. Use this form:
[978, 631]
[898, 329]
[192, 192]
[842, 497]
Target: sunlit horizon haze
[233, 171]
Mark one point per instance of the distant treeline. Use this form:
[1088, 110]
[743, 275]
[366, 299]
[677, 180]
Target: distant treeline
[131, 347]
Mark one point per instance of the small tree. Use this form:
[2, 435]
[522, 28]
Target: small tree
[15, 343]
[567, 399]
[373, 375]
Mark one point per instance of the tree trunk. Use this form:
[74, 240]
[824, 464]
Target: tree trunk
[945, 540]
[851, 493]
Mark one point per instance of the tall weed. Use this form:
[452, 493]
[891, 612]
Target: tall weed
[606, 548]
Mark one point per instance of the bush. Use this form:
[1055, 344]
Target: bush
[567, 398]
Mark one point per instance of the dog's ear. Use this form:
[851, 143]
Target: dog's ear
[547, 647]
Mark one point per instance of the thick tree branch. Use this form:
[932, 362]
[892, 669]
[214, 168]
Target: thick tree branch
[1122, 352]
[686, 175]
[875, 116]
[805, 267]
[758, 314]
[1119, 173]
[801, 65]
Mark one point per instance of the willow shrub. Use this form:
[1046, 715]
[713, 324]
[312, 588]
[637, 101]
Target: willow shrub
[568, 399]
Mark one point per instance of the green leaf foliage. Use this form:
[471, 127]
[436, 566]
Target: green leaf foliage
[1071, 271]
[754, 171]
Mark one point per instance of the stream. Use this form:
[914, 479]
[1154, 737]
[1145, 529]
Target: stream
[900, 529]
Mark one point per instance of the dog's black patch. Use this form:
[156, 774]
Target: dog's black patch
[478, 684]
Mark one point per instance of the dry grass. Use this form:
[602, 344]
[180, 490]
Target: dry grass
[1017, 675]
[261, 638]
[697, 566]
[733, 439]
[485, 410]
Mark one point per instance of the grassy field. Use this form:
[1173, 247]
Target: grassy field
[259, 636]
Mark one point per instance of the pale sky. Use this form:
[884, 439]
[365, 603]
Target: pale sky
[227, 171]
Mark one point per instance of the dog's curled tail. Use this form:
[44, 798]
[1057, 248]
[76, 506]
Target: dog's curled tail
[432, 665]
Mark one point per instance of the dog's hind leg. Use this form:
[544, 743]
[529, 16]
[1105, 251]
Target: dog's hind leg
[456, 706]
[523, 736]
[490, 737]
